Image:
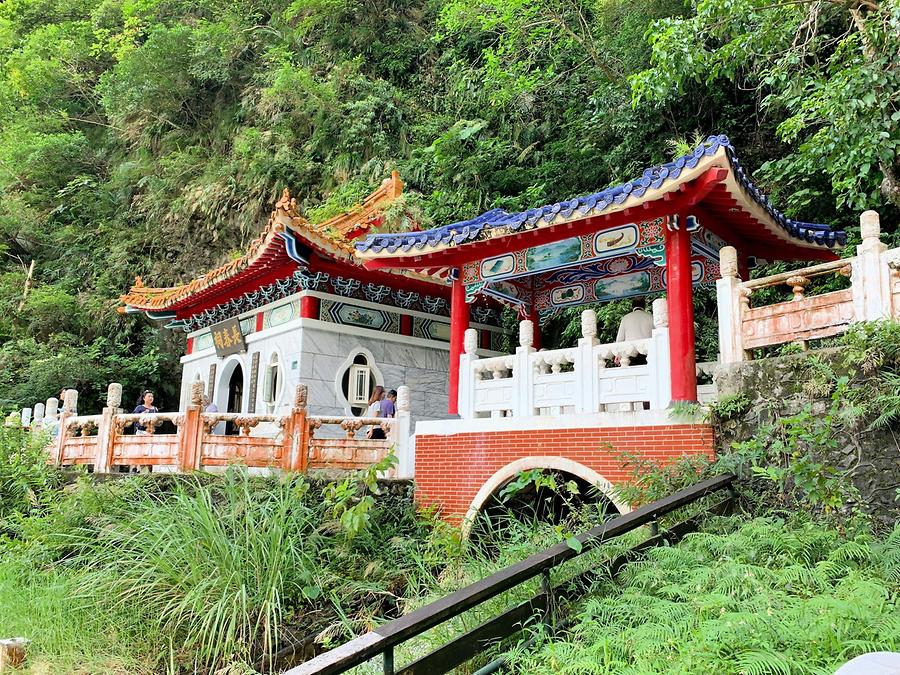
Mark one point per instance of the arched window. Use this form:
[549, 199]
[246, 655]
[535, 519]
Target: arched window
[272, 383]
[358, 384]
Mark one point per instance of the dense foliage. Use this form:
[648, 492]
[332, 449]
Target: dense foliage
[151, 138]
[764, 596]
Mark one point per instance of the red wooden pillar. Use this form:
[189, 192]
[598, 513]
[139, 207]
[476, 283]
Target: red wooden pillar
[743, 267]
[682, 357]
[459, 322]
[309, 307]
[406, 324]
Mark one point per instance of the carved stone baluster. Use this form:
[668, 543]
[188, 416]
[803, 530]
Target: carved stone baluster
[798, 284]
[149, 423]
[351, 427]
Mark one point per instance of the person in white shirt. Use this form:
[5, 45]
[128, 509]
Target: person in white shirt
[637, 324]
[374, 410]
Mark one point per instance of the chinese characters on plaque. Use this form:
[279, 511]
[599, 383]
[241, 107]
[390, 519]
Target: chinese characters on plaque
[228, 338]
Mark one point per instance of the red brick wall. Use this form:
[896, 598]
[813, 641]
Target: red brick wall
[451, 469]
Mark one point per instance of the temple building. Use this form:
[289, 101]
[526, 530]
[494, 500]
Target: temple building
[298, 307]
[343, 305]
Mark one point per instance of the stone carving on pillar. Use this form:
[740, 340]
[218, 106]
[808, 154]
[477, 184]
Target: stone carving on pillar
[300, 396]
[403, 398]
[728, 261]
[526, 333]
[197, 391]
[589, 324]
[470, 340]
[660, 313]
[114, 395]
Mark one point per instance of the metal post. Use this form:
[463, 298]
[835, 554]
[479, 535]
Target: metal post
[654, 528]
[547, 590]
[388, 661]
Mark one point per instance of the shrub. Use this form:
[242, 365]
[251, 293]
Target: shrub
[27, 483]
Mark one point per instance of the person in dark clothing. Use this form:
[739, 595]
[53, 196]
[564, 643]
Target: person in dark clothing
[388, 404]
[145, 405]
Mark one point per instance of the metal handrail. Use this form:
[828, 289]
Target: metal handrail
[383, 639]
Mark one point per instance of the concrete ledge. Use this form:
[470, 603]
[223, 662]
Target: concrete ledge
[637, 418]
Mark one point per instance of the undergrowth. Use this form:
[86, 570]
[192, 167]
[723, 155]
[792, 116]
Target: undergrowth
[757, 597]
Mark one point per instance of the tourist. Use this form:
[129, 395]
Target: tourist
[374, 410]
[145, 405]
[636, 325]
[388, 405]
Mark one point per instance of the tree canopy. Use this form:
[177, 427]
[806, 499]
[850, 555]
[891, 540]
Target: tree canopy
[151, 137]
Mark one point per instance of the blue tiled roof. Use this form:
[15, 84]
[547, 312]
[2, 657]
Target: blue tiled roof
[594, 204]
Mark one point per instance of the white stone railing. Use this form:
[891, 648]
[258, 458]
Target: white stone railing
[587, 378]
[874, 294]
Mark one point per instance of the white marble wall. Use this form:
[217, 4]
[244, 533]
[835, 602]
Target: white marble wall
[325, 353]
[315, 352]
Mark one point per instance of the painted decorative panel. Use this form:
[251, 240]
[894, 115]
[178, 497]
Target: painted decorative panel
[203, 341]
[609, 243]
[428, 329]
[579, 287]
[364, 317]
[280, 315]
[704, 242]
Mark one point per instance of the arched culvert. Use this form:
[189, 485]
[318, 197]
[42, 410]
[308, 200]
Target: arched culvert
[501, 495]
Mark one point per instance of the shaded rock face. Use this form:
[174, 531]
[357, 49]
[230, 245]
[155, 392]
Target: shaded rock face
[784, 386]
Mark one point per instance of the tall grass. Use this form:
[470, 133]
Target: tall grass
[215, 569]
[67, 636]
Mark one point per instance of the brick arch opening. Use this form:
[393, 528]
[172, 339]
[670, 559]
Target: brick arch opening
[561, 464]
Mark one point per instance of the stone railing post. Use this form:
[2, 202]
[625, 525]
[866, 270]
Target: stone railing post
[51, 414]
[467, 374]
[295, 451]
[400, 434]
[26, 417]
[871, 276]
[70, 406]
[106, 430]
[191, 431]
[522, 375]
[39, 411]
[730, 301]
[587, 377]
[658, 357]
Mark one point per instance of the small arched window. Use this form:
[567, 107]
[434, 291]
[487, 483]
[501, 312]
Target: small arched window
[358, 384]
[272, 382]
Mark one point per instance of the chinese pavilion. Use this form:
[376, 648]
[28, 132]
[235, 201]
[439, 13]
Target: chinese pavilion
[658, 233]
[298, 307]
[578, 409]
